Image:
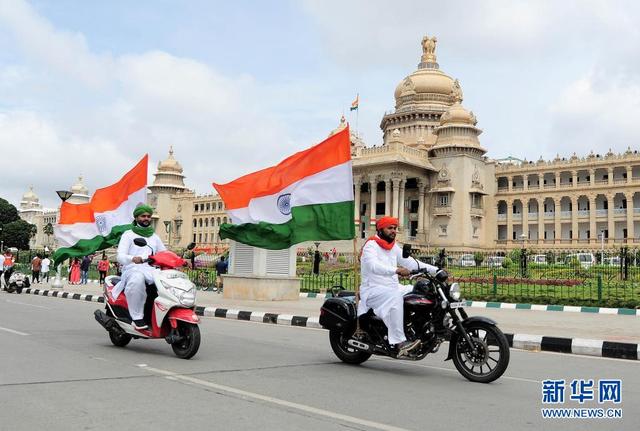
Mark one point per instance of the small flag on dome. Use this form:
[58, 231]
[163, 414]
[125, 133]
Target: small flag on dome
[354, 104]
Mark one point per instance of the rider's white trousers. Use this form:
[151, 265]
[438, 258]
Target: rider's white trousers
[388, 304]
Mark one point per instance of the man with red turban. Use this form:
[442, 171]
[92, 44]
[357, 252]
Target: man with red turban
[381, 263]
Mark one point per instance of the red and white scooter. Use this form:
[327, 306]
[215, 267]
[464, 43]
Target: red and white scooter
[169, 310]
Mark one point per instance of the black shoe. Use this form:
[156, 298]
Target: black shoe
[140, 324]
[406, 346]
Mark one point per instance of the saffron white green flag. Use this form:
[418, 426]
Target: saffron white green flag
[306, 197]
[86, 228]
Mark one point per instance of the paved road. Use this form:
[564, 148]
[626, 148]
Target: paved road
[66, 375]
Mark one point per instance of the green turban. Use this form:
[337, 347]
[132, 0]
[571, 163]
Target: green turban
[141, 209]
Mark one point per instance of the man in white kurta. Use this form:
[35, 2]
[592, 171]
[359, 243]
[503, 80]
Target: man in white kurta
[381, 263]
[135, 272]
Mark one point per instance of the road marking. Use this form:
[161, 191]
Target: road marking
[29, 305]
[277, 401]
[13, 331]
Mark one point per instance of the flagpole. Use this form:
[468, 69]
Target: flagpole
[357, 115]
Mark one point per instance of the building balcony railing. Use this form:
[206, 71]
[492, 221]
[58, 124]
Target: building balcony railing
[502, 216]
[636, 210]
[602, 181]
[503, 189]
[619, 211]
[517, 216]
[442, 210]
[583, 213]
[478, 212]
[620, 181]
[601, 213]
[565, 214]
[549, 186]
[534, 186]
[518, 187]
[549, 215]
[635, 180]
[532, 216]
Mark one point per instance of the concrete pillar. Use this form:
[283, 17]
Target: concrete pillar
[610, 176]
[630, 228]
[525, 218]
[592, 177]
[509, 219]
[421, 188]
[574, 219]
[611, 224]
[525, 182]
[540, 219]
[592, 220]
[510, 179]
[396, 195]
[574, 178]
[401, 206]
[387, 196]
[557, 179]
[557, 222]
[629, 175]
[373, 188]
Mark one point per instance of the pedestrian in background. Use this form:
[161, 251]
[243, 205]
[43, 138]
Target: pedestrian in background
[103, 267]
[7, 266]
[74, 271]
[44, 271]
[36, 266]
[84, 269]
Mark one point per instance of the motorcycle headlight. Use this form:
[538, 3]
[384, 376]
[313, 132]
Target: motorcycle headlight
[454, 291]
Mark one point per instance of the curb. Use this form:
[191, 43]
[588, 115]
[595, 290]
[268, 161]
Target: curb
[517, 306]
[576, 346]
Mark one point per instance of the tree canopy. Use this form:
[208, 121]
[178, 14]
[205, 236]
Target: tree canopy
[8, 212]
[14, 232]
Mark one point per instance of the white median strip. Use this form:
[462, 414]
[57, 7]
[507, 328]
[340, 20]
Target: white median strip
[276, 401]
[13, 331]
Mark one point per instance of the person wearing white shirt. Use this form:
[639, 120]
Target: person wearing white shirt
[44, 270]
[381, 264]
[135, 272]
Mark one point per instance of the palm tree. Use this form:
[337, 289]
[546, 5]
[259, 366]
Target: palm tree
[48, 231]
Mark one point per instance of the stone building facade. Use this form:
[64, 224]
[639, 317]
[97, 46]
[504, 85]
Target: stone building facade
[432, 173]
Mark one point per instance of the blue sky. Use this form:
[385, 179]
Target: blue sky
[237, 86]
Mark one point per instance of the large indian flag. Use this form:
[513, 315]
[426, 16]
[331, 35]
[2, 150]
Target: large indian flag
[306, 197]
[86, 228]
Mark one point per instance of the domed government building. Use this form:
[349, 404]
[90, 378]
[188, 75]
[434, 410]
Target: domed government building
[432, 172]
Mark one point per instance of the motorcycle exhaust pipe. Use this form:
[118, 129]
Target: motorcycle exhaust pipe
[360, 345]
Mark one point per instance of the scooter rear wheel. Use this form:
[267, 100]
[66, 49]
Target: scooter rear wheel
[190, 343]
[120, 340]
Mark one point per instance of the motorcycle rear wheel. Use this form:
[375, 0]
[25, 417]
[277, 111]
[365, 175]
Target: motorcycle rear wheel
[119, 340]
[343, 351]
[190, 343]
[490, 342]
[11, 288]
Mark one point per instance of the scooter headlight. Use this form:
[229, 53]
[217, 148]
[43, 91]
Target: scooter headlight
[454, 291]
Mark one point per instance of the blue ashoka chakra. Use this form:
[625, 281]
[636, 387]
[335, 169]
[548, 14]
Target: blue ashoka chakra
[284, 204]
[101, 223]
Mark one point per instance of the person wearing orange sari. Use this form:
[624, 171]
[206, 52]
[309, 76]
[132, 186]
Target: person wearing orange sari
[74, 278]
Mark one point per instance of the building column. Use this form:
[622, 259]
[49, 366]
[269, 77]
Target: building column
[593, 232]
[630, 228]
[525, 182]
[373, 189]
[401, 206]
[387, 196]
[557, 222]
[574, 219]
[510, 179]
[611, 224]
[421, 188]
[629, 174]
[592, 177]
[574, 178]
[509, 220]
[610, 180]
[396, 194]
[557, 178]
[540, 219]
[356, 211]
[525, 219]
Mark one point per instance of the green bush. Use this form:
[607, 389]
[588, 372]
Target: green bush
[478, 258]
[507, 263]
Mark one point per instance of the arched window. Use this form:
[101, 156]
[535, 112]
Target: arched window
[218, 221]
[195, 223]
[200, 222]
[212, 221]
[224, 220]
[206, 223]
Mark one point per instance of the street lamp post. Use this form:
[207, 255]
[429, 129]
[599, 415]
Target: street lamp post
[523, 256]
[57, 281]
[316, 260]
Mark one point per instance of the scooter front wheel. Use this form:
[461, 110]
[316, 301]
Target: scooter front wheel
[189, 344]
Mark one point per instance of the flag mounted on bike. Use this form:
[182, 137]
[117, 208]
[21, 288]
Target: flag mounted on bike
[306, 197]
[86, 228]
